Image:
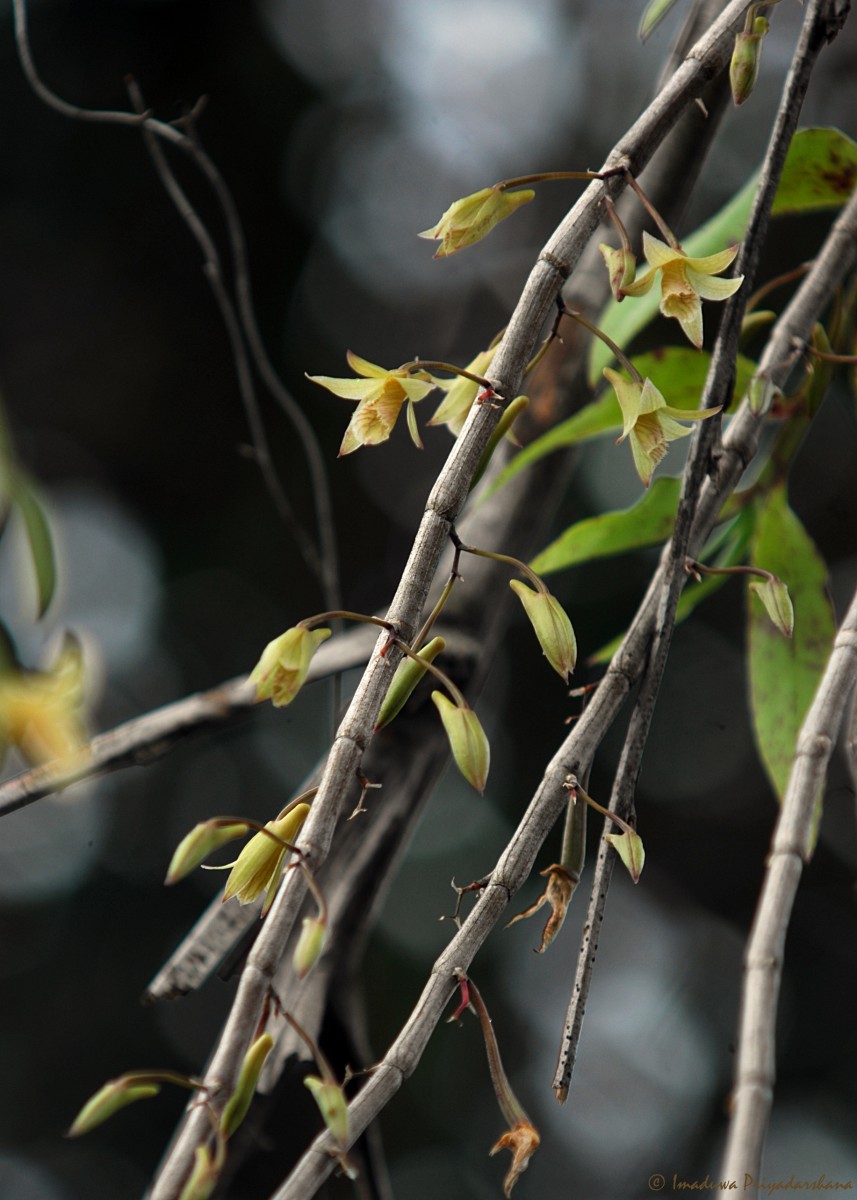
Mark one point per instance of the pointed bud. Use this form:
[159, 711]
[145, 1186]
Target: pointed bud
[504, 429]
[775, 596]
[332, 1105]
[467, 740]
[629, 847]
[280, 672]
[653, 14]
[259, 866]
[195, 847]
[761, 394]
[407, 676]
[552, 627]
[239, 1102]
[203, 1178]
[115, 1094]
[310, 945]
[621, 267]
[469, 219]
[744, 67]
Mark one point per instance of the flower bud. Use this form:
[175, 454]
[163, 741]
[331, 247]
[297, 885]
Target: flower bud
[460, 394]
[203, 1177]
[332, 1105]
[260, 864]
[115, 1094]
[468, 220]
[239, 1102]
[195, 847]
[621, 267]
[280, 672]
[761, 394]
[775, 596]
[744, 67]
[407, 676]
[552, 627]
[310, 945]
[629, 847]
[467, 740]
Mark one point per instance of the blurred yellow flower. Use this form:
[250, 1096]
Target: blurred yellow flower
[41, 711]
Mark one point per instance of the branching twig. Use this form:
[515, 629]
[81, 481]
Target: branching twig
[445, 502]
[718, 388]
[322, 561]
[791, 847]
[834, 261]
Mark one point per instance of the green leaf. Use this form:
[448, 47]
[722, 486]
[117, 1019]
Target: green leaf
[653, 14]
[678, 372]
[646, 523]
[819, 172]
[39, 538]
[784, 672]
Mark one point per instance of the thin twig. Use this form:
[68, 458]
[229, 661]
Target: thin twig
[791, 847]
[322, 561]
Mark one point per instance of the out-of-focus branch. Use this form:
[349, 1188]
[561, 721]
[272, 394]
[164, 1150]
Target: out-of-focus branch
[240, 325]
[145, 739]
[791, 847]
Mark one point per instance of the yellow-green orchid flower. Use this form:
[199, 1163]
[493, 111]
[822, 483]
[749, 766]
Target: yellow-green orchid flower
[381, 394]
[649, 421]
[685, 282]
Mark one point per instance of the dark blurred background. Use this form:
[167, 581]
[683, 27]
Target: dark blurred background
[343, 129]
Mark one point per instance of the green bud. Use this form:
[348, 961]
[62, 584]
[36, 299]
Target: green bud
[196, 846]
[239, 1102]
[407, 676]
[775, 596]
[115, 1094]
[203, 1177]
[744, 67]
[280, 672]
[761, 394]
[310, 945]
[467, 740]
[332, 1105]
[629, 847]
[469, 219]
[510, 414]
[621, 267]
[552, 627]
